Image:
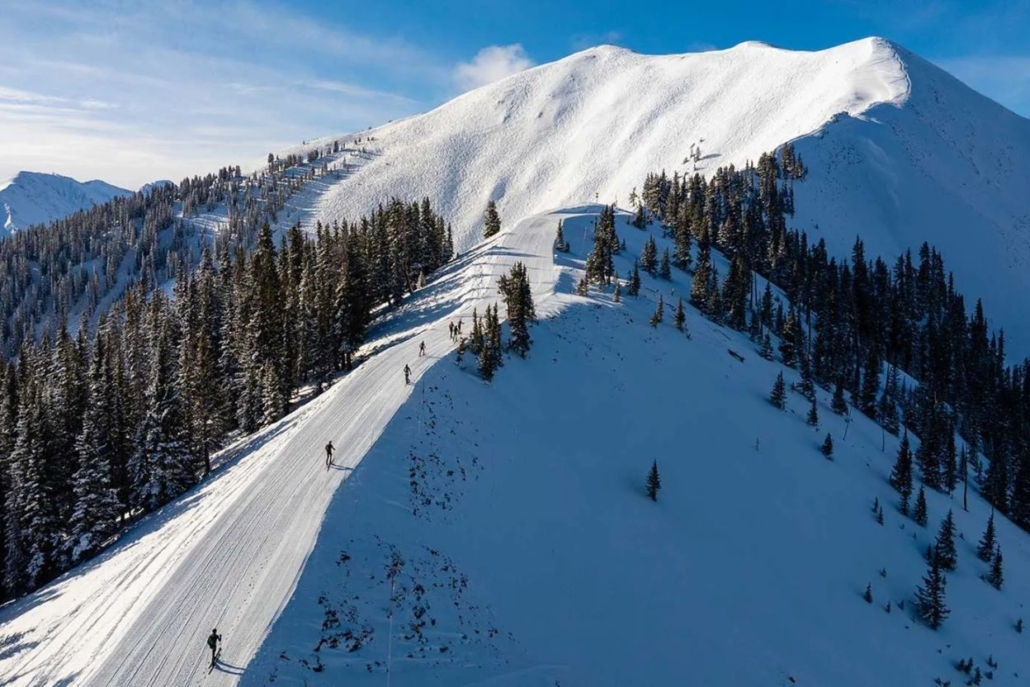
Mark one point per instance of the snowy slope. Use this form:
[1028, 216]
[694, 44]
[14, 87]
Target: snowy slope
[32, 198]
[228, 554]
[900, 152]
[525, 551]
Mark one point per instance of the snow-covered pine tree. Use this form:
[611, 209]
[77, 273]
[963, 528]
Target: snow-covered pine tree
[94, 517]
[827, 447]
[901, 475]
[778, 396]
[919, 515]
[649, 257]
[665, 266]
[680, 318]
[930, 600]
[518, 297]
[491, 220]
[654, 482]
[633, 287]
[988, 541]
[659, 312]
[996, 576]
[944, 549]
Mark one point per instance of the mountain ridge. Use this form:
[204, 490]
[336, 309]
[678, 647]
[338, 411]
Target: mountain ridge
[33, 198]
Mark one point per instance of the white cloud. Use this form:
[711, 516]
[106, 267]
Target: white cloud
[491, 64]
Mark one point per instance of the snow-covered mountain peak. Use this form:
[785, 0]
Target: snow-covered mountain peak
[32, 198]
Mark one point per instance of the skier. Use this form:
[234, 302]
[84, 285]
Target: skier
[212, 641]
[329, 448]
[450, 330]
[421, 349]
[407, 375]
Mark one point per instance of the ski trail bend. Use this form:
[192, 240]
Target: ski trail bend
[229, 554]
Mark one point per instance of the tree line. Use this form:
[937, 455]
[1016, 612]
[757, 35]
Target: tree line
[99, 428]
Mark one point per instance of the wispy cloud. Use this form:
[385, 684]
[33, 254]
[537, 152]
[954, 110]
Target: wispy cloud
[491, 64]
[130, 92]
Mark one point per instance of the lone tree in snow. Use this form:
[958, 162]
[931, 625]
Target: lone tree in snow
[654, 482]
[827, 448]
[560, 244]
[491, 220]
[930, 597]
[995, 577]
[659, 312]
[665, 266]
[813, 414]
[633, 287]
[778, 397]
[868, 595]
[838, 405]
[919, 513]
[901, 475]
[944, 549]
[680, 319]
[987, 542]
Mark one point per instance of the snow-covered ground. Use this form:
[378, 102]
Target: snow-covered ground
[900, 151]
[32, 198]
[228, 554]
[499, 534]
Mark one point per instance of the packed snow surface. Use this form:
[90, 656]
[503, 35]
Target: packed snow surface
[31, 198]
[899, 151]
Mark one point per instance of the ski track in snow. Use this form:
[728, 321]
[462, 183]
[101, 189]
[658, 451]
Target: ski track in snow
[228, 554]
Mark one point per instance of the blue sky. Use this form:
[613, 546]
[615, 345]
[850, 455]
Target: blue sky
[133, 91]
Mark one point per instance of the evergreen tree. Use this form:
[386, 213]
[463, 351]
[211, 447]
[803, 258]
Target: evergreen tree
[518, 297]
[930, 601]
[944, 549]
[617, 293]
[827, 448]
[767, 349]
[491, 220]
[654, 483]
[778, 396]
[649, 257]
[838, 405]
[659, 312]
[996, 577]
[665, 267]
[988, 541]
[867, 595]
[633, 287]
[901, 475]
[560, 244]
[813, 413]
[919, 513]
[680, 318]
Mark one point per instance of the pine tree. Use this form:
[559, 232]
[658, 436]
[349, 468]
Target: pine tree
[654, 482]
[767, 349]
[633, 287]
[944, 549]
[518, 297]
[659, 312]
[649, 257]
[987, 542]
[930, 601]
[491, 220]
[560, 244]
[617, 293]
[827, 448]
[901, 475]
[838, 405]
[996, 577]
[665, 267]
[868, 594]
[680, 318]
[919, 513]
[778, 396]
[813, 413]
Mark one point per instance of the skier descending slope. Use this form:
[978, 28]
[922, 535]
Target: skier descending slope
[407, 374]
[329, 448]
[421, 349]
[212, 642]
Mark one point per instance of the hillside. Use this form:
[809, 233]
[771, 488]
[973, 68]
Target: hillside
[905, 153]
[31, 198]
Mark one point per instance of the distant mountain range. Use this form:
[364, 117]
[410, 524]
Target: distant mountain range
[32, 198]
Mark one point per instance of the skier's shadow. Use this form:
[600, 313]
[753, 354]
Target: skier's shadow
[228, 668]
